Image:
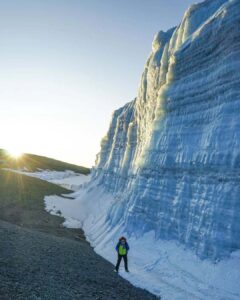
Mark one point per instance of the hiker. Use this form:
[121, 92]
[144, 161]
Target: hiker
[122, 250]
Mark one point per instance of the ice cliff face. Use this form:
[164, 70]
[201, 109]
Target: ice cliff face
[171, 157]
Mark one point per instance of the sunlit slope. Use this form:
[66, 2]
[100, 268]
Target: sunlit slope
[33, 162]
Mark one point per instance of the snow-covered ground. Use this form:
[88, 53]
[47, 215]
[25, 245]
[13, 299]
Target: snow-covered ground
[163, 267]
[67, 179]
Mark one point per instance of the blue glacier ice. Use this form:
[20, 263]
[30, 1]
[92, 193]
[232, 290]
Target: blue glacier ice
[171, 157]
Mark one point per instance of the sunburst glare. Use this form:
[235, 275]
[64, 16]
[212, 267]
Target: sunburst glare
[14, 153]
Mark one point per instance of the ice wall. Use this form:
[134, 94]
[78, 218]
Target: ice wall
[171, 157]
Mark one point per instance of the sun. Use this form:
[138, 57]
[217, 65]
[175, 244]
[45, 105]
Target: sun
[15, 153]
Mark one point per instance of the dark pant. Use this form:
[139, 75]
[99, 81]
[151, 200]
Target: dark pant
[119, 261]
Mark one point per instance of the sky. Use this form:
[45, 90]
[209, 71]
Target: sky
[66, 65]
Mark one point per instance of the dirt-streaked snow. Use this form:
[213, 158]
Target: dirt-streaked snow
[67, 179]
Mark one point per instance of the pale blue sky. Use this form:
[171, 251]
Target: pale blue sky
[66, 65]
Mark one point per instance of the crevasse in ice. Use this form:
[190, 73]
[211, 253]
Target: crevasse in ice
[171, 157]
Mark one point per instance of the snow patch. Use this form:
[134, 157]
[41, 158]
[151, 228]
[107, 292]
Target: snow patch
[67, 179]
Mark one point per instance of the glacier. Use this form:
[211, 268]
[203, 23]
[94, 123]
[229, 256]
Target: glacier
[171, 156]
[168, 172]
